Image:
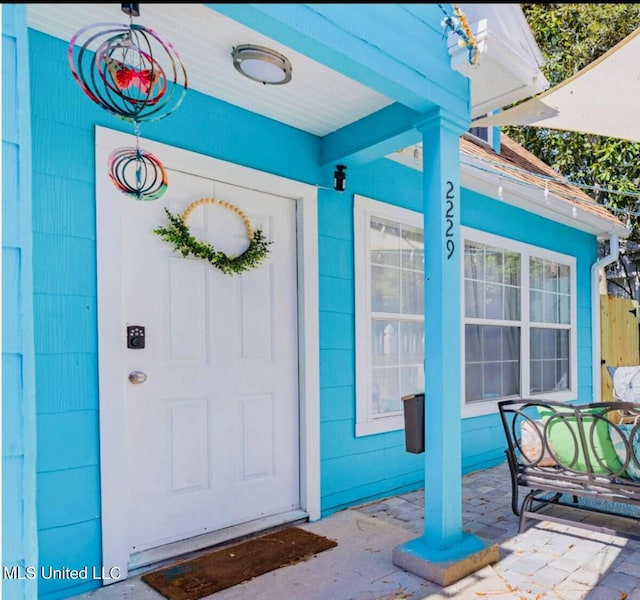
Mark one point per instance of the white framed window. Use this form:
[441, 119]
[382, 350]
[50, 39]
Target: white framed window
[389, 312]
[519, 322]
[483, 134]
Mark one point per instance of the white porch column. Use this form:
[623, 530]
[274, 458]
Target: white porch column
[444, 553]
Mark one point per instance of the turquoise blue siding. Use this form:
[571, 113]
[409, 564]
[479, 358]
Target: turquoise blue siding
[19, 544]
[69, 545]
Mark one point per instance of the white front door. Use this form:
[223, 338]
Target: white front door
[212, 434]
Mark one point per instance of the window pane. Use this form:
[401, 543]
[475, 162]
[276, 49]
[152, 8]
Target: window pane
[549, 378]
[473, 261]
[492, 282]
[474, 299]
[398, 363]
[510, 343]
[493, 264]
[512, 303]
[564, 309]
[535, 377]
[555, 342]
[473, 382]
[535, 274]
[550, 299]
[398, 359]
[411, 380]
[411, 343]
[511, 379]
[536, 306]
[535, 343]
[412, 248]
[563, 344]
[550, 308]
[385, 288]
[492, 381]
[562, 369]
[512, 269]
[550, 275]
[494, 307]
[386, 391]
[492, 361]
[473, 343]
[384, 341]
[412, 293]
[549, 360]
[564, 281]
[385, 242]
[491, 343]
[549, 343]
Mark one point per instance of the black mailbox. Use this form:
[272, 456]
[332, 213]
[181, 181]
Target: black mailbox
[413, 406]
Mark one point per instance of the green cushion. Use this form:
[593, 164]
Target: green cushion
[563, 435]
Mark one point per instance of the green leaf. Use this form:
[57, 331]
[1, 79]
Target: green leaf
[178, 235]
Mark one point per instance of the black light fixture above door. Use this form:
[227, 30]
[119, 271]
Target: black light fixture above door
[340, 178]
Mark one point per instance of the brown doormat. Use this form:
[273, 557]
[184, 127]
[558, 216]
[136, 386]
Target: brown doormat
[198, 577]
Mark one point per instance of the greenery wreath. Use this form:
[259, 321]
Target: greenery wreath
[177, 233]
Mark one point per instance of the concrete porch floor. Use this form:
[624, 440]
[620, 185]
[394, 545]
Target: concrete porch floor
[547, 561]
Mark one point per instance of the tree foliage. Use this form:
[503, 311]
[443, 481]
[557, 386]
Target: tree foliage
[570, 37]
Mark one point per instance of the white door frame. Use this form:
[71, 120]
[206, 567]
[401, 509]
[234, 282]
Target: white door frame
[112, 376]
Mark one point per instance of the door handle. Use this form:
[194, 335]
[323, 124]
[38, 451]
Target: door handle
[137, 377]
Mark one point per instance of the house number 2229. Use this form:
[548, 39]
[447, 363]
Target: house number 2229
[449, 243]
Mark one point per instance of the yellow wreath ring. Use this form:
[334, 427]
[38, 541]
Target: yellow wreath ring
[223, 203]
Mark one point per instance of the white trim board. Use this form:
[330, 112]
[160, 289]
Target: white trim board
[112, 385]
[363, 209]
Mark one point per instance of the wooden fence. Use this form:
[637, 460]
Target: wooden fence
[620, 344]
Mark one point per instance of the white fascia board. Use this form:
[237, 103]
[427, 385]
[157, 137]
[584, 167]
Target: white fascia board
[511, 75]
[499, 50]
[532, 199]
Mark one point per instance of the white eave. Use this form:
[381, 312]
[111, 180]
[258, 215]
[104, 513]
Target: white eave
[507, 68]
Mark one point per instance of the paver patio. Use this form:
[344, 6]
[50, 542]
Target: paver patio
[547, 561]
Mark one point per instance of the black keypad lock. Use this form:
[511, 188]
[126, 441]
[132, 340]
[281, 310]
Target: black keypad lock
[135, 337]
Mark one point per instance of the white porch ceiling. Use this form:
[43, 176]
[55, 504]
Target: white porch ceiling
[318, 100]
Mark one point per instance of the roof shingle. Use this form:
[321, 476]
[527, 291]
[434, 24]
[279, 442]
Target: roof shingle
[517, 163]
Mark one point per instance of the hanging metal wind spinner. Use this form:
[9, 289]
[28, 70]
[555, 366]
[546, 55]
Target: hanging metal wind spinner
[132, 73]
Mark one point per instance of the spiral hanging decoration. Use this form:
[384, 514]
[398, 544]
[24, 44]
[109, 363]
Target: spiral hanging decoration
[137, 173]
[120, 67]
[124, 74]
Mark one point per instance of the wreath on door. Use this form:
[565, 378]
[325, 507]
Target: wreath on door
[178, 234]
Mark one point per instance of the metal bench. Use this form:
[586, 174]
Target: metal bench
[582, 456]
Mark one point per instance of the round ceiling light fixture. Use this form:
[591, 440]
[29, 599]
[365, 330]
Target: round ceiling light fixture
[262, 64]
